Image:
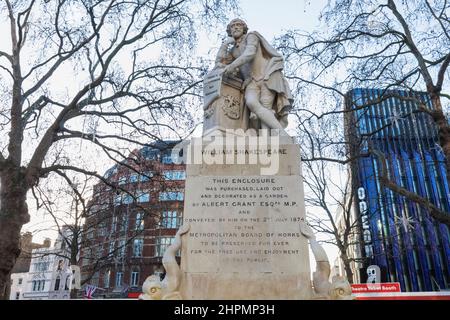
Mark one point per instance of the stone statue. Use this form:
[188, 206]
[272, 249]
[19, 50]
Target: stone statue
[167, 289]
[322, 274]
[339, 288]
[259, 65]
[151, 288]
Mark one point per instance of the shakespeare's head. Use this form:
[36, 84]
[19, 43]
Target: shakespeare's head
[234, 22]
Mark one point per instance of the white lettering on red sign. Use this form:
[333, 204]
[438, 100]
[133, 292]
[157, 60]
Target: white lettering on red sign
[376, 287]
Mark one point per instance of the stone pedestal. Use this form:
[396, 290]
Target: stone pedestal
[244, 240]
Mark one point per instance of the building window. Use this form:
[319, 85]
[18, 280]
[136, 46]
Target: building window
[66, 284]
[102, 229]
[127, 199]
[57, 282]
[124, 224]
[95, 278]
[87, 256]
[17, 295]
[106, 278]
[41, 266]
[20, 280]
[138, 244]
[139, 221]
[119, 279]
[117, 200]
[110, 172]
[112, 246]
[167, 159]
[174, 175]
[38, 285]
[134, 278]
[99, 252]
[161, 244]
[90, 234]
[94, 208]
[122, 246]
[114, 224]
[143, 197]
[122, 180]
[171, 196]
[170, 220]
[145, 176]
[134, 178]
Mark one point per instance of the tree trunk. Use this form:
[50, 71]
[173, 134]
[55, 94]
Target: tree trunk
[73, 258]
[74, 294]
[9, 252]
[443, 130]
[347, 267]
[13, 215]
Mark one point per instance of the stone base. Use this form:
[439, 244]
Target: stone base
[245, 286]
[244, 240]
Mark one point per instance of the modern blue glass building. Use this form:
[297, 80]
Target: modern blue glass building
[397, 234]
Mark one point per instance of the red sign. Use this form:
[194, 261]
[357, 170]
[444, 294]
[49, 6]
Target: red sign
[440, 295]
[376, 287]
[134, 295]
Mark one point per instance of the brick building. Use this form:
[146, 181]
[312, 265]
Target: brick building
[133, 216]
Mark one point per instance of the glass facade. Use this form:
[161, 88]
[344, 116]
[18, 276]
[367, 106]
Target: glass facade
[397, 234]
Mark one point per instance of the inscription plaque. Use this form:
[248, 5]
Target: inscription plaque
[244, 224]
[244, 240]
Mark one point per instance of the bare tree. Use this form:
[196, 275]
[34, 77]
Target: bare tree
[68, 208]
[329, 196]
[126, 206]
[114, 74]
[368, 44]
[333, 216]
[89, 218]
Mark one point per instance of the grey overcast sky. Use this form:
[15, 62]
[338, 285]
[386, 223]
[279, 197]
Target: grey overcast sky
[270, 18]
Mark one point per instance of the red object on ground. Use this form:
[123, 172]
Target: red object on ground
[134, 295]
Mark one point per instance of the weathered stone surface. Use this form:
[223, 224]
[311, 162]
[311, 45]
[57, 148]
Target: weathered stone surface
[244, 240]
[250, 58]
[224, 105]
